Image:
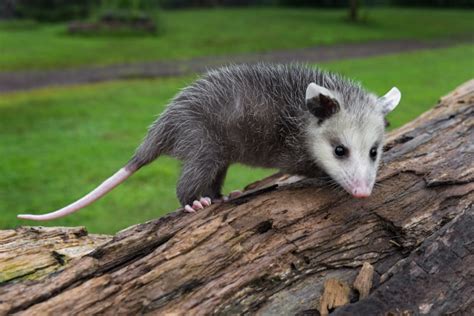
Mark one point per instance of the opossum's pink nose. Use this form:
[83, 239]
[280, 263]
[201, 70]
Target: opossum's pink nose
[360, 194]
[360, 190]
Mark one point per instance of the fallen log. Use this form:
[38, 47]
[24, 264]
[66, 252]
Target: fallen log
[294, 246]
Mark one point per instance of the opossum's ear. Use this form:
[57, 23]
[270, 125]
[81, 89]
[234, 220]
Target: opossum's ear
[390, 100]
[321, 101]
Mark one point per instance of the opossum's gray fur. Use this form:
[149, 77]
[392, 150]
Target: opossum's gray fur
[294, 118]
[251, 114]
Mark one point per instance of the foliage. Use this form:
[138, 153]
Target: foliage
[130, 5]
[64, 10]
[315, 3]
[435, 3]
[345, 3]
[213, 3]
[59, 143]
[53, 10]
[127, 10]
[120, 18]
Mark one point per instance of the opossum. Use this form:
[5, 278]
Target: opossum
[295, 118]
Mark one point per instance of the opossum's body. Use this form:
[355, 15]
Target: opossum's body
[253, 115]
[259, 115]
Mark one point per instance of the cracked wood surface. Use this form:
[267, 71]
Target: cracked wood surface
[35, 252]
[271, 250]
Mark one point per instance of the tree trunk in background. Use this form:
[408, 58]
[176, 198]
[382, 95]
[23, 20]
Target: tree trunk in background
[353, 10]
[287, 246]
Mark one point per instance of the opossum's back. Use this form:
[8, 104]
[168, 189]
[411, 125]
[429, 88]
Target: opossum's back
[237, 95]
[234, 99]
[247, 91]
[240, 110]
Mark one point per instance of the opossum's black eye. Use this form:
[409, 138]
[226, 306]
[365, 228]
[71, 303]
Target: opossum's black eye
[373, 153]
[340, 151]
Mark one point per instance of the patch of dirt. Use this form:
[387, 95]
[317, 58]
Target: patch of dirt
[27, 80]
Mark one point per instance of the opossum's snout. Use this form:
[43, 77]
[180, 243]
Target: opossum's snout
[357, 184]
[361, 193]
[360, 189]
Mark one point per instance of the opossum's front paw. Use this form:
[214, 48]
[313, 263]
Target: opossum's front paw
[198, 205]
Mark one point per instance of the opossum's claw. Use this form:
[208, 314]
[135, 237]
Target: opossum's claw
[189, 209]
[198, 205]
[205, 201]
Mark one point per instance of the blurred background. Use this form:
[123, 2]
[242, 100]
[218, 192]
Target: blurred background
[81, 80]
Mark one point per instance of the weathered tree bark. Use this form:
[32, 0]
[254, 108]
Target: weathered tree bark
[283, 244]
[34, 252]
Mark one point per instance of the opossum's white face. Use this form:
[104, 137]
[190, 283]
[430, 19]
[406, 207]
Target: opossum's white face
[347, 144]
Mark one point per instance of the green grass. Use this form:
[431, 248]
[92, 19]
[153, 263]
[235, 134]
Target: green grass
[57, 144]
[423, 77]
[192, 33]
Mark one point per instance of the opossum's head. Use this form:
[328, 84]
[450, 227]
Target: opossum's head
[345, 134]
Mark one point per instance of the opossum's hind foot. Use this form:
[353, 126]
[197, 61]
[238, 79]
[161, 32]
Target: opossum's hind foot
[198, 205]
[206, 201]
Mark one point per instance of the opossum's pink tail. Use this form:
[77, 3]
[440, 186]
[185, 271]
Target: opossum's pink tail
[96, 194]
